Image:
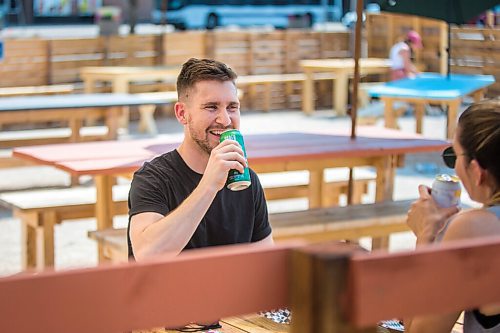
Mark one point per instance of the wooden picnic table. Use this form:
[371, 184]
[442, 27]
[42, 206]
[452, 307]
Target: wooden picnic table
[342, 68]
[72, 109]
[384, 149]
[120, 78]
[240, 324]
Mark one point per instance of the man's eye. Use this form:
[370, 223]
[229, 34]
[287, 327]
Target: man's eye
[233, 108]
[211, 107]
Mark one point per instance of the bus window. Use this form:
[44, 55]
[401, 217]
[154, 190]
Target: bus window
[199, 14]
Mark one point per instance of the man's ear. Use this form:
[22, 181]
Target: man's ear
[180, 112]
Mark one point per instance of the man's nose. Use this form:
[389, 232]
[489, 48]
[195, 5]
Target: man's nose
[223, 117]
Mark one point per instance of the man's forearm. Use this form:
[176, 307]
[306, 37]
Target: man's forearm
[171, 233]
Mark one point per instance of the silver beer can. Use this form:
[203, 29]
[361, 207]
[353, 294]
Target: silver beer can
[446, 190]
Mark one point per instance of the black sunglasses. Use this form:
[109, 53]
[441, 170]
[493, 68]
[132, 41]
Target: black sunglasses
[199, 328]
[449, 157]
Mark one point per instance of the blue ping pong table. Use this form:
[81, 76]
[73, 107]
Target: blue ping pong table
[431, 88]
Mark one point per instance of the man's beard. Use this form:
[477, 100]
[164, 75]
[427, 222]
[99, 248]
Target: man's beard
[203, 143]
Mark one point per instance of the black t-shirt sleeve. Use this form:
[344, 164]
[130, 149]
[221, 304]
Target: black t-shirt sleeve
[262, 228]
[146, 195]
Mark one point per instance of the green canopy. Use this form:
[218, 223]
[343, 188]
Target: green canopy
[451, 11]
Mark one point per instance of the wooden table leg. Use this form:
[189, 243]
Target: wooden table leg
[386, 169]
[104, 205]
[340, 92]
[316, 179]
[453, 107]
[112, 118]
[121, 86]
[389, 114]
[251, 96]
[147, 120]
[419, 115]
[45, 234]
[478, 95]
[89, 85]
[28, 245]
[308, 93]
[288, 93]
[267, 96]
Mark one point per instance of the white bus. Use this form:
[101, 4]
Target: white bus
[198, 14]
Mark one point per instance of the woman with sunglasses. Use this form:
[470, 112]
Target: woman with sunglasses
[475, 156]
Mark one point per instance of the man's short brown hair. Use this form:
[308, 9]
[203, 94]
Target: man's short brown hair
[195, 70]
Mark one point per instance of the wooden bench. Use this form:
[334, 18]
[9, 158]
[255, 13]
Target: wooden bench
[315, 225]
[37, 90]
[71, 112]
[329, 288]
[267, 80]
[41, 210]
[294, 184]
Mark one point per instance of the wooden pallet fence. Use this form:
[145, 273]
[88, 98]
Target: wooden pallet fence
[335, 44]
[68, 55]
[301, 45]
[231, 47]
[25, 62]
[267, 52]
[267, 56]
[133, 50]
[384, 30]
[178, 47]
[249, 52]
[477, 51]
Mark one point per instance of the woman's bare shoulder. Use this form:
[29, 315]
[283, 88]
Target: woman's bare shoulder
[472, 223]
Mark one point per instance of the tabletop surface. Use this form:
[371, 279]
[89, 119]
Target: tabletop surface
[128, 69]
[433, 85]
[82, 101]
[345, 63]
[114, 157]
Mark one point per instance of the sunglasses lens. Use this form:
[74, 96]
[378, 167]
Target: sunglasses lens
[449, 157]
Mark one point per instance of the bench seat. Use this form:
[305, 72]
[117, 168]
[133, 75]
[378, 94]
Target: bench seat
[251, 81]
[294, 184]
[321, 224]
[52, 89]
[40, 210]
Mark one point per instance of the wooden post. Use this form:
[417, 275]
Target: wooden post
[319, 288]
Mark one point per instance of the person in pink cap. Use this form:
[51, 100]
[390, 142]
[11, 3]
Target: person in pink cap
[401, 56]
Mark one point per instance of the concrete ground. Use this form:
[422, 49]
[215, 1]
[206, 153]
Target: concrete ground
[74, 249]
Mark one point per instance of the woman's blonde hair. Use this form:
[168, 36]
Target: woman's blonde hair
[479, 135]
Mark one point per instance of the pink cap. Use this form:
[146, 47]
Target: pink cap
[414, 38]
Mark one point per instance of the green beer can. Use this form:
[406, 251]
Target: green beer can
[236, 181]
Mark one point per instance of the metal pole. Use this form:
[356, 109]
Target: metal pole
[354, 99]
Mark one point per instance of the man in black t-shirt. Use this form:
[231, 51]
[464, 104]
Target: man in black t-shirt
[178, 200]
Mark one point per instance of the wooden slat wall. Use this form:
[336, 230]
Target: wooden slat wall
[233, 48]
[335, 44]
[180, 46]
[384, 30]
[301, 45]
[133, 50]
[267, 56]
[68, 55]
[267, 52]
[477, 51]
[247, 52]
[25, 63]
